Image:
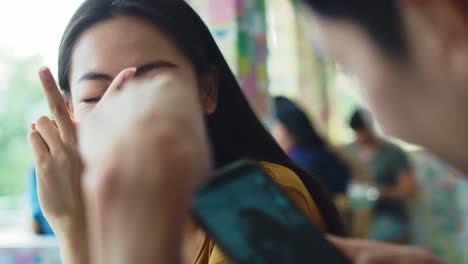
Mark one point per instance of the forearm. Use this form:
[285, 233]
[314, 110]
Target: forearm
[73, 244]
[144, 226]
[161, 243]
[137, 193]
[152, 237]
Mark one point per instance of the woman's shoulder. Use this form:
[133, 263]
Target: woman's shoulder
[283, 176]
[290, 183]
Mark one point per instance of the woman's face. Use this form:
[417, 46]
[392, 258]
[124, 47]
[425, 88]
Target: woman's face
[113, 45]
[282, 136]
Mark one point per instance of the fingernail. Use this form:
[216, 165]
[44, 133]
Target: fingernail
[130, 73]
[45, 74]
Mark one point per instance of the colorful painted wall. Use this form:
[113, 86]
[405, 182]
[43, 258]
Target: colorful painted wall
[240, 29]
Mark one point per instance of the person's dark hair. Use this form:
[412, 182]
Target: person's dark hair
[381, 19]
[297, 123]
[360, 120]
[235, 131]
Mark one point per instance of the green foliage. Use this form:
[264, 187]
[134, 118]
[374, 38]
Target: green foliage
[20, 101]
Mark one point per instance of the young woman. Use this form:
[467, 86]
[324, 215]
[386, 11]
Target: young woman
[296, 135]
[105, 44]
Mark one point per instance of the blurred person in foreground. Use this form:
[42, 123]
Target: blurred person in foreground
[411, 58]
[391, 173]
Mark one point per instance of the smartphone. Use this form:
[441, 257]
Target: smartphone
[254, 222]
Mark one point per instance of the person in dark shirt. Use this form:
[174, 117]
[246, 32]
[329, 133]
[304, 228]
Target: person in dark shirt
[391, 173]
[296, 135]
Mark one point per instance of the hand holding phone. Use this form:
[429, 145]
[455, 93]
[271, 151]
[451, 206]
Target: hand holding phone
[253, 221]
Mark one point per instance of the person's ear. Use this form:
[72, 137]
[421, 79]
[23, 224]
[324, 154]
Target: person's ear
[442, 27]
[209, 91]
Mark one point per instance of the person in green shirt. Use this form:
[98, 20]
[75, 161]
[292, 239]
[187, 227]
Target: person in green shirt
[391, 172]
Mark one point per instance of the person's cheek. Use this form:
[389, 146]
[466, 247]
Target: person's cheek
[81, 109]
[82, 112]
[373, 87]
[381, 88]
[276, 132]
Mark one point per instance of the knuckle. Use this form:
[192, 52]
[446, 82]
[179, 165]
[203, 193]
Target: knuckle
[57, 109]
[43, 120]
[62, 158]
[44, 165]
[33, 136]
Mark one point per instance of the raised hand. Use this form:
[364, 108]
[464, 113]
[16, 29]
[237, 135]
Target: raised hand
[141, 170]
[59, 168]
[58, 165]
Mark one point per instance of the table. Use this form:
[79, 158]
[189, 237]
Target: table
[19, 247]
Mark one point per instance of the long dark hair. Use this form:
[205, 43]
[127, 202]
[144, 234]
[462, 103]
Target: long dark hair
[298, 125]
[235, 132]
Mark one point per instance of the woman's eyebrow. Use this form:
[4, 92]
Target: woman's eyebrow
[98, 76]
[89, 76]
[142, 69]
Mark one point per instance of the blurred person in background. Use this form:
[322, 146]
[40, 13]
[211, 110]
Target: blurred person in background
[295, 133]
[391, 173]
[40, 226]
[297, 136]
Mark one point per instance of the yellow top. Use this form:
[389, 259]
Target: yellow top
[293, 187]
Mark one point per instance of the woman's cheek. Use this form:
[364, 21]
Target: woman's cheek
[82, 112]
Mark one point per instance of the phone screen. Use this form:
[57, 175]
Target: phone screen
[252, 221]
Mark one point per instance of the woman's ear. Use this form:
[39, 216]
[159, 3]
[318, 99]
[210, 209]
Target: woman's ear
[209, 85]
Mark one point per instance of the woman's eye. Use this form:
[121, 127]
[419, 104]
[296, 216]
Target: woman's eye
[91, 100]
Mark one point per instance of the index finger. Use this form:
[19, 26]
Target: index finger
[117, 83]
[57, 106]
